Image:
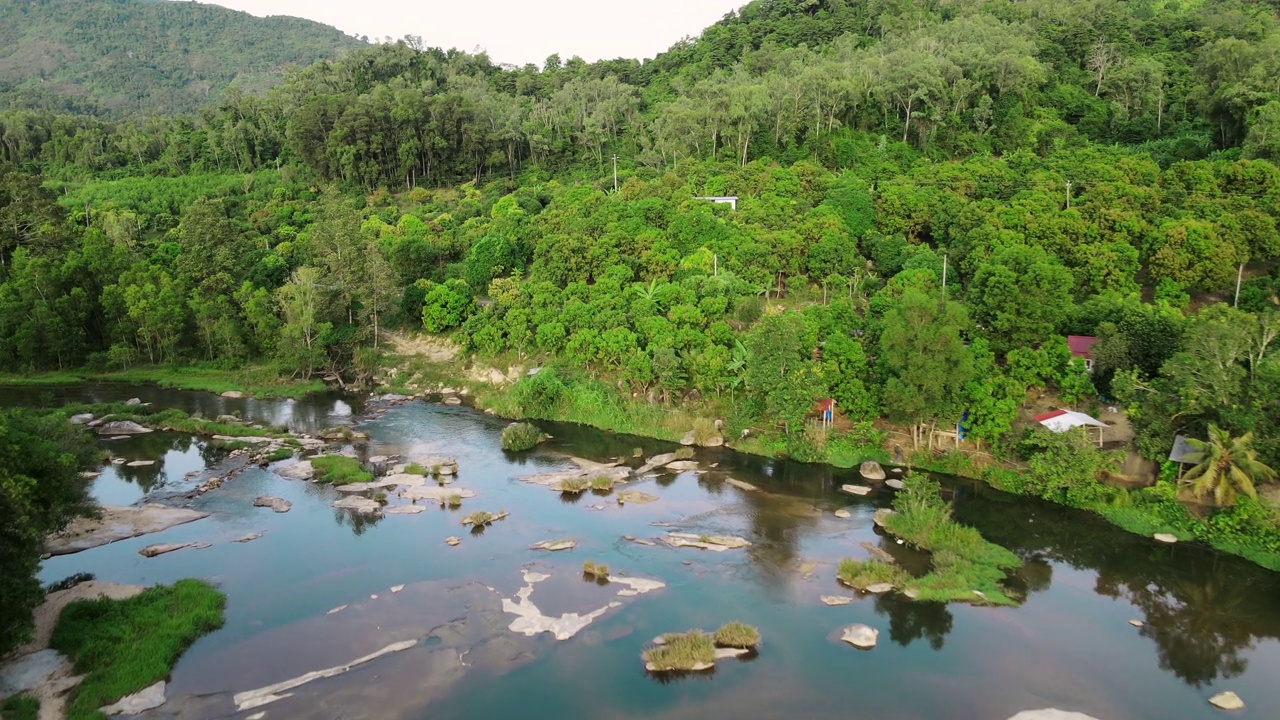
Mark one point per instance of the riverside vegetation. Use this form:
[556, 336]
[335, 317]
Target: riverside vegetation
[1103, 173]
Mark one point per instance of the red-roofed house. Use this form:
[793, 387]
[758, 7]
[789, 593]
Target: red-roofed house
[1081, 346]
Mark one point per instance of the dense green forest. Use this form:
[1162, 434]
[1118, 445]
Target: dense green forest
[930, 198]
[122, 57]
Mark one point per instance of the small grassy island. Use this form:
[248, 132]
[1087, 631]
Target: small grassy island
[695, 650]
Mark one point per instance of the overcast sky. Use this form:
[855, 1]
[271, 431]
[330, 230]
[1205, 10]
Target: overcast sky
[514, 31]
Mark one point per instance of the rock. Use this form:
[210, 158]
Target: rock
[452, 541]
[1227, 701]
[531, 621]
[687, 439]
[229, 420]
[338, 609]
[855, 489]
[279, 505]
[162, 548]
[713, 441]
[741, 485]
[843, 514]
[89, 474]
[879, 517]
[879, 588]
[81, 419]
[396, 588]
[133, 402]
[123, 427]
[451, 400]
[877, 553]
[28, 672]
[436, 493]
[233, 395]
[1051, 714]
[300, 470]
[656, 461]
[404, 510]
[1165, 538]
[683, 465]
[554, 545]
[359, 504]
[715, 543]
[871, 470]
[861, 636]
[148, 698]
[911, 593]
[256, 698]
[248, 537]
[636, 586]
[118, 523]
[894, 483]
[636, 497]
[836, 599]
[119, 460]
[1136, 623]
[140, 463]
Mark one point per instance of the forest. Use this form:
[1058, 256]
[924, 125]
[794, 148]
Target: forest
[931, 197]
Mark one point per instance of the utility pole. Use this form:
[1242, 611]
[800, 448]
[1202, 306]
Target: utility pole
[615, 172]
[1068, 194]
[944, 278]
[1239, 279]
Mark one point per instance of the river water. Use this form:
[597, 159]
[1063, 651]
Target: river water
[1210, 622]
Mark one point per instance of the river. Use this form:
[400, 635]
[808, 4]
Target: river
[1210, 622]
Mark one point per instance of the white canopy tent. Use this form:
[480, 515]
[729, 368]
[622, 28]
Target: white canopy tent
[1061, 421]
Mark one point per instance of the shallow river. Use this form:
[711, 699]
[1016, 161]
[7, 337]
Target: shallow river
[1211, 622]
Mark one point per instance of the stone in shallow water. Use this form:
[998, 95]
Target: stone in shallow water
[554, 545]
[452, 541]
[716, 543]
[279, 505]
[855, 489]
[30, 671]
[148, 698]
[741, 485]
[1227, 701]
[1051, 714]
[123, 427]
[1165, 538]
[836, 599]
[871, 470]
[879, 588]
[248, 537]
[843, 514]
[262, 696]
[1136, 623]
[141, 463]
[636, 497]
[359, 504]
[861, 636]
[161, 549]
[880, 516]
[895, 483]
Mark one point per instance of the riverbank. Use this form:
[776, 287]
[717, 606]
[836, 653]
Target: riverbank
[260, 382]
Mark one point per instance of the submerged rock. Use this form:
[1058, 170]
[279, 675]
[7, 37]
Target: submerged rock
[452, 541]
[163, 548]
[1227, 701]
[148, 698]
[741, 485]
[359, 504]
[279, 505]
[636, 586]
[248, 537]
[123, 427]
[271, 693]
[871, 470]
[715, 543]
[636, 497]
[530, 621]
[836, 599]
[554, 545]
[855, 489]
[405, 510]
[861, 636]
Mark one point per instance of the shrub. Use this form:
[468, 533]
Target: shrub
[380, 498]
[122, 646]
[682, 651]
[737, 635]
[518, 437]
[339, 470]
[454, 500]
[417, 469]
[20, 707]
[602, 483]
[704, 430]
[595, 570]
[864, 574]
[574, 485]
[539, 395]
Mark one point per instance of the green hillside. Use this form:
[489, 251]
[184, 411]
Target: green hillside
[123, 56]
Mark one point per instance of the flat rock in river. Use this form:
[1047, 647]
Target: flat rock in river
[148, 698]
[1165, 538]
[715, 543]
[861, 636]
[836, 599]
[279, 505]
[871, 470]
[300, 470]
[636, 497]
[359, 504]
[554, 545]
[855, 489]
[1051, 714]
[123, 427]
[163, 548]
[1227, 701]
[741, 485]
[118, 523]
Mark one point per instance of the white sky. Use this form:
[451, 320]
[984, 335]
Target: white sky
[514, 31]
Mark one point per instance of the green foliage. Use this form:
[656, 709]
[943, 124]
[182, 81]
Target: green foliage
[414, 468]
[595, 570]
[518, 437]
[445, 306]
[20, 707]
[1224, 467]
[682, 651]
[736, 635]
[123, 646]
[861, 575]
[601, 483]
[279, 454]
[574, 485]
[339, 470]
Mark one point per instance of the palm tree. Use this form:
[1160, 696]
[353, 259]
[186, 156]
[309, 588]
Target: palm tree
[1225, 466]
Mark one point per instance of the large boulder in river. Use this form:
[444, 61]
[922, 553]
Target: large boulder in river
[861, 636]
[81, 419]
[871, 470]
[123, 427]
[279, 505]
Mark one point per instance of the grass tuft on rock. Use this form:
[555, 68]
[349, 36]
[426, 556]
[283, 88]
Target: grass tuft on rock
[339, 470]
[279, 454]
[601, 483]
[861, 575]
[684, 453]
[692, 650]
[453, 500]
[574, 485]
[737, 635]
[20, 707]
[704, 431]
[518, 437]
[594, 570]
[479, 518]
[123, 646]
[414, 468]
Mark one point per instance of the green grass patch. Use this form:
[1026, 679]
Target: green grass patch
[416, 469]
[601, 483]
[861, 575]
[965, 568]
[279, 454]
[574, 485]
[453, 500]
[122, 646]
[595, 571]
[233, 445]
[264, 382]
[682, 651]
[736, 635]
[339, 470]
[20, 707]
[518, 437]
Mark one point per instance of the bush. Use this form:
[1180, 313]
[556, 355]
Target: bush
[339, 470]
[279, 454]
[682, 651]
[416, 469]
[684, 453]
[601, 483]
[539, 395]
[518, 437]
[595, 570]
[704, 430]
[122, 646]
[20, 707]
[574, 485]
[864, 574]
[453, 500]
[748, 309]
[737, 635]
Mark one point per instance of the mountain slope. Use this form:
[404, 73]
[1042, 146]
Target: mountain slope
[127, 56]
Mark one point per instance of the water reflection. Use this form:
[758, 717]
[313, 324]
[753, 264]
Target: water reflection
[910, 621]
